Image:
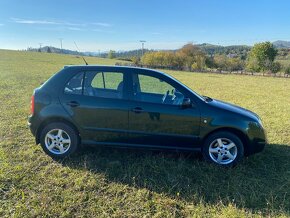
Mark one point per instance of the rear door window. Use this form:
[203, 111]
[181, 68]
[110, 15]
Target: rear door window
[104, 84]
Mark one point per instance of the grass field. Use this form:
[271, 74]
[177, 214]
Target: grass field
[127, 183]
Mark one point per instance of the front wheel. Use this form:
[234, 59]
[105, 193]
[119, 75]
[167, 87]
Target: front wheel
[59, 140]
[223, 148]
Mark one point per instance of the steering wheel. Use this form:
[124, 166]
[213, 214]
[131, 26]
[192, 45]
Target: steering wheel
[173, 91]
[165, 96]
[177, 97]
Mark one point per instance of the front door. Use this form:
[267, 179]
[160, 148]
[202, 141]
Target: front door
[156, 116]
[97, 103]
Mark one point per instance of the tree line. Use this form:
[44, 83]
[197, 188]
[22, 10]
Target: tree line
[260, 58]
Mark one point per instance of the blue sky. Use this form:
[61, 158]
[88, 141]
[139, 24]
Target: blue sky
[119, 25]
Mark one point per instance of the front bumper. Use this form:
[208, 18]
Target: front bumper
[258, 138]
[258, 145]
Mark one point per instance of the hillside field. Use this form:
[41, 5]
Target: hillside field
[106, 182]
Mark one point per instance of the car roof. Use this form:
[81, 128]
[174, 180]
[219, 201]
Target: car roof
[113, 67]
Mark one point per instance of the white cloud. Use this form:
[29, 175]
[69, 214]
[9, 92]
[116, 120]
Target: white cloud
[24, 21]
[102, 24]
[75, 29]
[156, 33]
[73, 24]
[54, 22]
[102, 31]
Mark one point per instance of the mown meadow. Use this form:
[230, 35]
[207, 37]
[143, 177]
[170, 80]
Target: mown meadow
[110, 182]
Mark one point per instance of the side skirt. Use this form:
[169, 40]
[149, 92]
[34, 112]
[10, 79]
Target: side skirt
[125, 145]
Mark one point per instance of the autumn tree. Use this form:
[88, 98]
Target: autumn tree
[192, 56]
[160, 59]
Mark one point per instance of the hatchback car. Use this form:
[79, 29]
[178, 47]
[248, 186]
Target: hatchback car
[138, 107]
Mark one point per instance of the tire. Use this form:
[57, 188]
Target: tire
[59, 140]
[223, 149]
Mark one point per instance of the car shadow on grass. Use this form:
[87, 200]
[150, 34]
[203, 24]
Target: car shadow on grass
[260, 183]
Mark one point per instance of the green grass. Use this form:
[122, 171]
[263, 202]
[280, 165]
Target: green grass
[126, 183]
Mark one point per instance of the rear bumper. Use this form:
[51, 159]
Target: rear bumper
[30, 125]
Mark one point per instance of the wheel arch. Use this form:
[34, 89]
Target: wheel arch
[54, 120]
[242, 136]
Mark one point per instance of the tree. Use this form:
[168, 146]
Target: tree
[161, 59]
[111, 54]
[191, 54]
[48, 50]
[200, 61]
[135, 60]
[209, 62]
[234, 64]
[261, 57]
[275, 67]
[220, 62]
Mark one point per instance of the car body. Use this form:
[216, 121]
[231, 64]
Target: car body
[139, 107]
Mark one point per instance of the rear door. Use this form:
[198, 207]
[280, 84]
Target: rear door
[98, 103]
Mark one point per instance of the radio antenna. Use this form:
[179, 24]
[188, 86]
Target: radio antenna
[80, 53]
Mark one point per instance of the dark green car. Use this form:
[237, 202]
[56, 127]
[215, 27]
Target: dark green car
[137, 107]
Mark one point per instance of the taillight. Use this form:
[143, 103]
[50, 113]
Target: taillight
[32, 105]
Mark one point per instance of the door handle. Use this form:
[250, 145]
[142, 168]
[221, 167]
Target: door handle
[73, 103]
[137, 110]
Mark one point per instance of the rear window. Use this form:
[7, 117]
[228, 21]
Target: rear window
[75, 84]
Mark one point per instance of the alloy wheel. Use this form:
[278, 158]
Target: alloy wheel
[223, 151]
[57, 141]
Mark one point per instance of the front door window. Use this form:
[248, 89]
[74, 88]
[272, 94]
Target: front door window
[154, 90]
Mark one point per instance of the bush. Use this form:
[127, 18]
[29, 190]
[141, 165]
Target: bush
[194, 67]
[287, 70]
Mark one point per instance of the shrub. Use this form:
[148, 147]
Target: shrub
[287, 70]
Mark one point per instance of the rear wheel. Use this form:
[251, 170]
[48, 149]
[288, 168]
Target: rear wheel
[223, 148]
[59, 140]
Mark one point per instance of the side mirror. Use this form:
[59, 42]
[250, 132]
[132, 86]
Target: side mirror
[186, 103]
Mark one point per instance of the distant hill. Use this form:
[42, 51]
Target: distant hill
[51, 49]
[209, 49]
[239, 50]
[281, 44]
